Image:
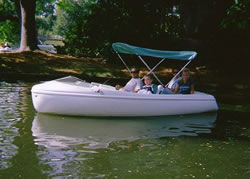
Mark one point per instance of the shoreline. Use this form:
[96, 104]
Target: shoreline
[43, 66]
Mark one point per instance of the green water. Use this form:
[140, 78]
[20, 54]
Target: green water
[212, 145]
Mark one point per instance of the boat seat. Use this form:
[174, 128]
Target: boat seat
[92, 84]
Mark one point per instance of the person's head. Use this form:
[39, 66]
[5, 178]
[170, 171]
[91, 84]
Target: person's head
[174, 72]
[185, 75]
[148, 79]
[134, 72]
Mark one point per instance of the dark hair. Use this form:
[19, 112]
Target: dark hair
[134, 69]
[186, 70]
[175, 70]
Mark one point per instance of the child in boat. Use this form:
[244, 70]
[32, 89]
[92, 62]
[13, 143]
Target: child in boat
[149, 87]
[185, 85]
[134, 84]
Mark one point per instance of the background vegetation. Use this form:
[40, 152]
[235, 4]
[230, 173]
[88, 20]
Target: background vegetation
[218, 29]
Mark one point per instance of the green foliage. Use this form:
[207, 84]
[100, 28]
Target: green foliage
[7, 6]
[45, 25]
[237, 19]
[45, 17]
[90, 27]
[9, 32]
[45, 7]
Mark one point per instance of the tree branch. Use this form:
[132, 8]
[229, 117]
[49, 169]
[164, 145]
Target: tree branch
[8, 17]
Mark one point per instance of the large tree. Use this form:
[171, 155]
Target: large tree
[28, 27]
[19, 16]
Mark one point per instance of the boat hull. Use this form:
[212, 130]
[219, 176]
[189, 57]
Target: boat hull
[106, 102]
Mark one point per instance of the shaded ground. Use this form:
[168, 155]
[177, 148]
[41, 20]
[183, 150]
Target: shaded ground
[232, 90]
[43, 63]
[40, 65]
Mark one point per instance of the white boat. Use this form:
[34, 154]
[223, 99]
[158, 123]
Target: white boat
[5, 49]
[46, 47]
[72, 96]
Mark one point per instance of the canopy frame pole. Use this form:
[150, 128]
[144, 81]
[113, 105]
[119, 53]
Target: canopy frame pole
[155, 66]
[179, 72]
[150, 70]
[123, 62]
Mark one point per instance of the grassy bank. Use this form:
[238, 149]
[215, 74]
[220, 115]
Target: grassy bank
[43, 63]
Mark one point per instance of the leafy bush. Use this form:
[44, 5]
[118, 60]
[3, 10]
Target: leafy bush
[9, 32]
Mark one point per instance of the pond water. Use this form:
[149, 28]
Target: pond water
[210, 145]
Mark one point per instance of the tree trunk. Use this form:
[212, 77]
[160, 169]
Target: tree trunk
[28, 25]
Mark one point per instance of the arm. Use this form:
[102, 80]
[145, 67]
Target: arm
[192, 89]
[176, 89]
[173, 86]
[136, 91]
[138, 86]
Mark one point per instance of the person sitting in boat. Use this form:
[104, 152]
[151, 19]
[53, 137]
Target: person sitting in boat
[149, 87]
[185, 85]
[134, 84]
[170, 87]
[6, 45]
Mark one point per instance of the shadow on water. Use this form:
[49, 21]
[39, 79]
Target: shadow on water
[231, 125]
[51, 130]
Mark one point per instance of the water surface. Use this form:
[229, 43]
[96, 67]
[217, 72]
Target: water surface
[210, 145]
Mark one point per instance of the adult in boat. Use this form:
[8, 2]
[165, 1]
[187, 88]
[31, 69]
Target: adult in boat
[6, 45]
[170, 87]
[185, 85]
[134, 84]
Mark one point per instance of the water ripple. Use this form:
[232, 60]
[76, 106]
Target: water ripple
[10, 101]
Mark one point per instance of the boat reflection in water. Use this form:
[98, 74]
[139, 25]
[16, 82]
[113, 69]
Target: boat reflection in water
[62, 131]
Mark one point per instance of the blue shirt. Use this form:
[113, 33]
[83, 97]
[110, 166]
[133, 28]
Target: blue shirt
[185, 88]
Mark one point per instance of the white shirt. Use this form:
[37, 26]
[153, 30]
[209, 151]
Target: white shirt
[133, 85]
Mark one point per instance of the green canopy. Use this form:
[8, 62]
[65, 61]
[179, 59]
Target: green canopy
[133, 50]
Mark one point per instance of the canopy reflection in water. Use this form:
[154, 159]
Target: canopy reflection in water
[62, 131]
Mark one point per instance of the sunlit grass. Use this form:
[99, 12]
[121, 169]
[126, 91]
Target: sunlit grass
[104, 74]
[66, 71]
[54, 42]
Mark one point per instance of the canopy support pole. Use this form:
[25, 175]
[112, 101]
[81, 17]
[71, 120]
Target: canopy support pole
[123, 62]
[156, 66]
[150, 70]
